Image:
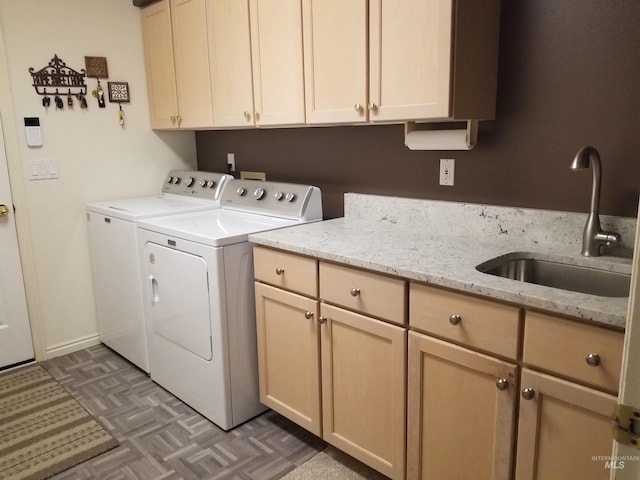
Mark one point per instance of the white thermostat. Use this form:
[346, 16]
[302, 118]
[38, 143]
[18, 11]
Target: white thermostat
[32, 131]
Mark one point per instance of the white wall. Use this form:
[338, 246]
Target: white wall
[97, 158]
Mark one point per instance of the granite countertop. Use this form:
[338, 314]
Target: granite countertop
[441, 243]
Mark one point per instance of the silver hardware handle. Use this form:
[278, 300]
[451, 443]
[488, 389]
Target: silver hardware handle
[528, 393]
[322, 319]
[355, 292]
[247, 116]
[455, 319]
[502, 383]
[172, 118]
[308, 315]
[279, 270]
[593, 359]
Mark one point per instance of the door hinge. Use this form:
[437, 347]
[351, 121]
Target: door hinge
[626, 425]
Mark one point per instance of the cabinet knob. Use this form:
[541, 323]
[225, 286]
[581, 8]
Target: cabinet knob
[256, 115]
[455, 319]
[372, 107]
[247, 116]
[593, 359]
[322, 319]
[279, 270]
[528, 393]
[357, 107]
[172, 118]
[308, 315]
[355, 292]
[502, 383]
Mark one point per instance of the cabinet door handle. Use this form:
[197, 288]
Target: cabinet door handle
[593, 359]
[322, 319]
[372, 107]
[357, 107]
[502, 383]
[528, 393]
[455, 319]
[256, 115]
[247, 116]
[308, 315]
[355, 292]
[279, 270]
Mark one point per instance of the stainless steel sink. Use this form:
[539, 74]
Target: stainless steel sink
[576, 278]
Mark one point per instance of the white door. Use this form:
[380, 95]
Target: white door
[625, 464]
[15, 333]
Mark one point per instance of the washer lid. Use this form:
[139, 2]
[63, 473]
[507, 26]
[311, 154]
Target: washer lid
[132, 209]
[215, 228]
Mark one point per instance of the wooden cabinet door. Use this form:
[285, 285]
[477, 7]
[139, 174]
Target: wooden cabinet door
[410, 59]
[158, 55]
[335, 60]
[459, 423]
[276, 48]
[561, 429]
[363, 388]
[193, 81]
[289, 355]
[230, 53]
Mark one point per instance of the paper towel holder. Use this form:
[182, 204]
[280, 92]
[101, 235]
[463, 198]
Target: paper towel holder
[441, 139]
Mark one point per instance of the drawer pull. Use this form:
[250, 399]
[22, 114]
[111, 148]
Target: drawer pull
[279, 270]
[308, 315]
[322, 319]
[455, 319]
[355, 292]
[528, 393]
[593, 359]
[502, 383]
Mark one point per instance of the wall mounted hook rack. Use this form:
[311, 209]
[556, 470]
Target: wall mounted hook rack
[58, 76]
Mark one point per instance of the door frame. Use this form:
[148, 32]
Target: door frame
[630, 374]
[19, 198]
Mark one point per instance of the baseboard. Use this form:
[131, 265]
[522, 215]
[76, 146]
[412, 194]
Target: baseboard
[74, 346]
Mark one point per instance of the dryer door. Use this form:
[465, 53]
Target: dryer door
[180, 307]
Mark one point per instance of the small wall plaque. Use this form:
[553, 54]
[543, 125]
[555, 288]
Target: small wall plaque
[118, 92]
[96, 67]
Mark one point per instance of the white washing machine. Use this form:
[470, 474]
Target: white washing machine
[199, 295]
[114, 254]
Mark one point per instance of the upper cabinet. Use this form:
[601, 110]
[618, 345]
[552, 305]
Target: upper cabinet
[177, 64]
[247, 63]
[421, 60]
[256, 62]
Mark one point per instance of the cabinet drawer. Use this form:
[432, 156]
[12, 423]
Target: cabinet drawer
[365, 292]
[286, 270]
[564, 347]
[483, 324]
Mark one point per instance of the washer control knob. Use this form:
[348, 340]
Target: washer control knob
[176, 180]
[278, 195]
[203, 183]
[169, 179]
[259, 193]
[211, 183]
[291, 197]
[189, 181]
[241, 191]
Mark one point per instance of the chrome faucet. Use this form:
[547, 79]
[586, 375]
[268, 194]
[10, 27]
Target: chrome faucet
[593, 236]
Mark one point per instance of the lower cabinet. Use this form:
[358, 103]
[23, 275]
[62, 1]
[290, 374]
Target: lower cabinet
[339, 374]
[461, 411]
[562, 426]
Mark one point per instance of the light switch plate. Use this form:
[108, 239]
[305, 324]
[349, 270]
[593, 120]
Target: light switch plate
[43, 169]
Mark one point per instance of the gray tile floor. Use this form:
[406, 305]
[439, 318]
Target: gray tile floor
[163, 438]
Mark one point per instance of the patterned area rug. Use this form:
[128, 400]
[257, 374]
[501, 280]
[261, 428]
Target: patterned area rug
[44, 431]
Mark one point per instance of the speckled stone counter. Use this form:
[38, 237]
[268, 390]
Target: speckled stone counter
[441, 243]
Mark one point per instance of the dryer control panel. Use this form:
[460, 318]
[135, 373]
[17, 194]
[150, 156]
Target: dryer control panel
[287, 200]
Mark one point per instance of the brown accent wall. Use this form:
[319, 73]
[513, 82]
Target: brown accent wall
[569, 76]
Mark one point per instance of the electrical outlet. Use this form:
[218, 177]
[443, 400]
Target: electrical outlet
[447, 169]
[231, 162]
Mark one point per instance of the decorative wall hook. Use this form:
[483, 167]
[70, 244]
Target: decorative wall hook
[119, 92]
[55, 76]
[97, 67]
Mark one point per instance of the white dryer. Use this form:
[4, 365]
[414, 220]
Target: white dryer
[114, 254]
[199, 295]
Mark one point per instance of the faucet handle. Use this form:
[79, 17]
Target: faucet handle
[608, 238]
